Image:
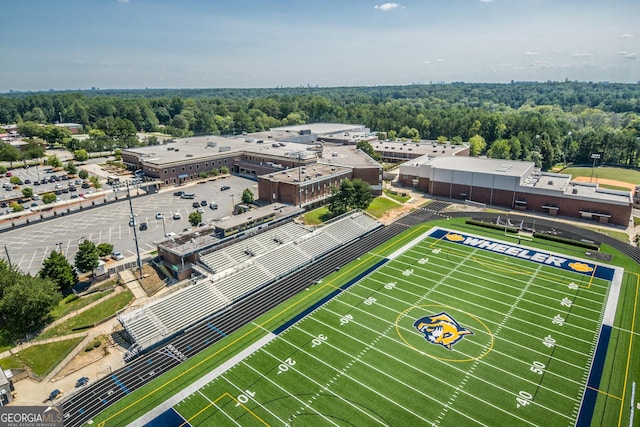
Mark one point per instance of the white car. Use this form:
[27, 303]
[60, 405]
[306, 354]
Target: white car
[117, 255]
[159, 215]
[200, 210]
[170, 234]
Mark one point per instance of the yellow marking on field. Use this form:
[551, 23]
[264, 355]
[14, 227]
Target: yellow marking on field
[258, 327]
[222, 396]
[604, 392]
[626, 373]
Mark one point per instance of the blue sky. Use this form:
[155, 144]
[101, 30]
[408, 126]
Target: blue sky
[79, 44]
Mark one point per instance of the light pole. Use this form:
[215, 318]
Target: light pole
[566, 144]
[164, 227]
[135, 231]
[594, 156]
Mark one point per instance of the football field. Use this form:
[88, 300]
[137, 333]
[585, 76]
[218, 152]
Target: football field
[451, 329]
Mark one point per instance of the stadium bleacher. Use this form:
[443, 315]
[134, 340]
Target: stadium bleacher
[238, 270]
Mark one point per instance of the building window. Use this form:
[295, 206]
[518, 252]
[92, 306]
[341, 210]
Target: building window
[173, 170]
[165, 172]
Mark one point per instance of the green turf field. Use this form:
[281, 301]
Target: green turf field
[510, 342]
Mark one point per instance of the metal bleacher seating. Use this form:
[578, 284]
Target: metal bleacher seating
[240, 269]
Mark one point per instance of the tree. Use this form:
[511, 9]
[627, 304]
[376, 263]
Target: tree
[501, 149]
[81, 155]
[104, 249]
[16, 207]
[29, 129]
[247, 196]
[224, 170]
[15, 180]
[95, 181]
[83, 174]
[54, 161]
[71, 168]
[48, 198]
[86, 258]
[9, 153]
[477, 144]
[195, 218]
[368, 149]
[57, 269]
[27, 302]
[27, 192]
[352, 194]
[362, 196]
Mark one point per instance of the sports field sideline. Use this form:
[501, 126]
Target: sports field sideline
[451, 329]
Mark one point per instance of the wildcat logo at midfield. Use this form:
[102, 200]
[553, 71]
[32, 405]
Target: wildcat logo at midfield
[441, 329]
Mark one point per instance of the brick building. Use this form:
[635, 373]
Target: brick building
[516, 185]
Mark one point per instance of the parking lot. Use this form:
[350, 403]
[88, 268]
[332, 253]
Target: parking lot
[29, 246]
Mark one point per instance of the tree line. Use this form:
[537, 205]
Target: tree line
[548, 123]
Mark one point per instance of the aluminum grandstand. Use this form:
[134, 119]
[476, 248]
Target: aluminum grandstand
[234, 272]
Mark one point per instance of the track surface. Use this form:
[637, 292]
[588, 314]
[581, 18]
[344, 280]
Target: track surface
[87, 403]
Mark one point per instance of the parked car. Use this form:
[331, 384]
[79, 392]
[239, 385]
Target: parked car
[8, 174]
[200, 211]
[27, 181]
[177, 215]
[188, 196]
[55, 394]
[170, 234]
[143, 226]
[159, 215]
[195, 204]
[213, 206]
[117, 255]
[132, 222]
[85, 185]
[82, 381]
[178, 193]
[225, 187]
[203, 203]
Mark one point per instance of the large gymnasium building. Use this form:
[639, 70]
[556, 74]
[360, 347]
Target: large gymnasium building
[517, 185]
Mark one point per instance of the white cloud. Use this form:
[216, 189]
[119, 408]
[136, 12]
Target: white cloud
[123, 1]
[530, 53]
[486, 1]
[387, 6]
[581, 54]
[627, 55]
[439, 60]
[625, 36]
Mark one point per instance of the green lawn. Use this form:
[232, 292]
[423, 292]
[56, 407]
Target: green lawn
[397, 196]
[96, 314]
[316, 216]
[41, 359]
[619, 174]
[64, 308]
[381, 205]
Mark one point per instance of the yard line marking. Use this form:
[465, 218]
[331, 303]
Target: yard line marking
[451, 366]
[343, 372]
[420, 392]
[475, 364]
[472, 284]
[213, 403]
[302, 402]
[509, 373]
[256, 401]
[450, 297]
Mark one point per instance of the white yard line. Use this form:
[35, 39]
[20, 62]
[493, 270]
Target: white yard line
[191, 389]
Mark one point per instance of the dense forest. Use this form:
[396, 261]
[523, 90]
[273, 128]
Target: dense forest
[549, 123]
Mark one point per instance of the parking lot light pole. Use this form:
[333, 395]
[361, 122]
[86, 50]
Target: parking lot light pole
[135, 231]
[164, 227]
